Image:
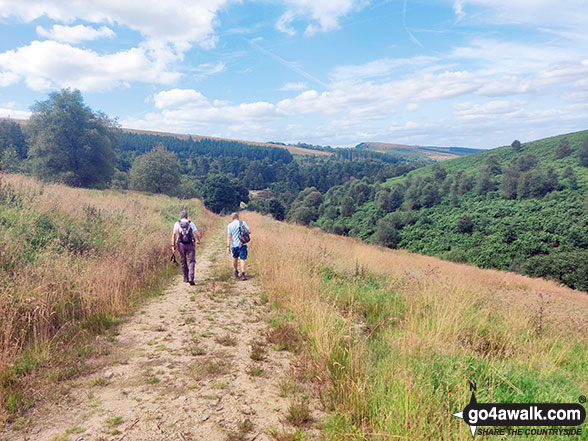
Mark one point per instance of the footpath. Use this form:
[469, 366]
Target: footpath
[192, 364]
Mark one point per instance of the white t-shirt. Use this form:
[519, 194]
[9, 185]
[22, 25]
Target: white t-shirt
[233, 230]
[177, 227]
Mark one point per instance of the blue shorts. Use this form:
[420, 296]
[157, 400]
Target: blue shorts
[240, 252]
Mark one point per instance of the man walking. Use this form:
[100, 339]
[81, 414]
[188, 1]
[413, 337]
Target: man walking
[235, 245]
[184, 236]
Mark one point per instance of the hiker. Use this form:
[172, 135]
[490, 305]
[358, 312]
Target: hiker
[184, 235]
[237, 238]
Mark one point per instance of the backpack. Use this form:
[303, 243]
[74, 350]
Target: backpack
[186, 235]
[243, 233]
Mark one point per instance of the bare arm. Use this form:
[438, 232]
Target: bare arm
[173, 239]
[229, 239]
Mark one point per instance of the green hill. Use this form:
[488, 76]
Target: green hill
[522, 210]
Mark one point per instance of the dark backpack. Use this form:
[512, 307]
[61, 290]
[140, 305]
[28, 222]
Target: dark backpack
[186, 235]
[243, 233]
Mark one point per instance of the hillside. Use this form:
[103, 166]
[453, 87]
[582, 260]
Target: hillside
[293, 149]
[395, 338]
[417, 153]
[331, 338]
[520, 210]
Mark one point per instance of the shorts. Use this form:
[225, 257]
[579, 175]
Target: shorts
[240, 252]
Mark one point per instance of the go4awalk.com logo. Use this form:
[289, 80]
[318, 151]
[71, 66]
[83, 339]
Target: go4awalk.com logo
[504, 418]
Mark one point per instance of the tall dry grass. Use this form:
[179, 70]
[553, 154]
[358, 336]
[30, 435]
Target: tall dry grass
[395, 337]
[71, 261]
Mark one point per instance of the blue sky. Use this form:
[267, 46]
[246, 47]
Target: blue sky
[472, 73]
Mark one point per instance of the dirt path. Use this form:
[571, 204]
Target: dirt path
[193, 364]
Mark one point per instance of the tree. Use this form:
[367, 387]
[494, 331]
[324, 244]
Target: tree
[385, 233]
[465, 224]
[484, 181]
[305, 209]
[276, 209]
[571, 178]
[439, 174]
[583, 154]
[516, 145]
[157, 171]
[563, 149]
[70, 142]
[12, 138]
[222, 194]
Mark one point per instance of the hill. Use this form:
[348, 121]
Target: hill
[502, 208]
[384, 342]
[417, 153]
[394, 338]
[293, 149]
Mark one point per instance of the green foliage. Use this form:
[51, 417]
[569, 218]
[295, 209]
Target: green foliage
[570, 268]
[386, 233]
[583, 154]
[305, 208]
[494, 209]
[222, 194]
[157, 171]
[516, 145]
[563, 149]
[71, 143]
[276, 209]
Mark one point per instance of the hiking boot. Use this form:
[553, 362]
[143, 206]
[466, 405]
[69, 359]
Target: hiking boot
[191, 282]
[236, 275]
[243, 276]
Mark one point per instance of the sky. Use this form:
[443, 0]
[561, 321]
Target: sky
[469, 73]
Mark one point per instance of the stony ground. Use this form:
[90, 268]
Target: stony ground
[193, 364]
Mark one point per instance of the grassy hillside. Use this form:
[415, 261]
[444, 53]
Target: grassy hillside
[393, 338]
[71, 262]
[520, 210]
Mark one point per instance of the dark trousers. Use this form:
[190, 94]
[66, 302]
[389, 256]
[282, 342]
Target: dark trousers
[188, 259]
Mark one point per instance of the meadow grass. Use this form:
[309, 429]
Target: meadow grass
[394, 338]
[72, 262]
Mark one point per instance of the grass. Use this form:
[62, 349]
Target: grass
[257, 351]
[245, 427]
[298, 413]
[226, 340]
[65, 275]
[392, 339]
[255, 371]
[114, 421]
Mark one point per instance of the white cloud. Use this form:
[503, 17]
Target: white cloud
[179, 98]
[14, 113]
[293, 87]
[207, 69]
[44, 65]
[74, 34]
[323, 15]
[180, 23]
[491, 109]
[378, 68]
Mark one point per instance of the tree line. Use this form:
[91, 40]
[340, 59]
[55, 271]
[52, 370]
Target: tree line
[521, 209]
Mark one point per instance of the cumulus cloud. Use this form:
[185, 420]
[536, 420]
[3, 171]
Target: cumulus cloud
[14, 113]
[180, 98]
[46, 64]
[323, 15]
[74, 34]
[180, 23]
